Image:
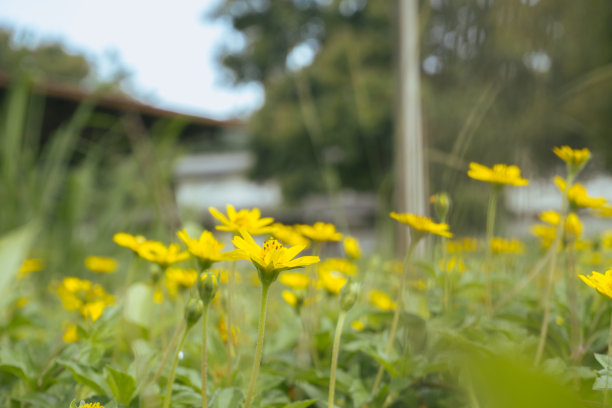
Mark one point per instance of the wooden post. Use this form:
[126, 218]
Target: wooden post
[410, 183]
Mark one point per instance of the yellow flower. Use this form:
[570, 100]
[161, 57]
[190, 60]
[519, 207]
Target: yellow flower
[422, 224]
[71, 334]
[248, 220]
[160, 254]
[320, 232]
[289, 235]
[207, 249]
[89, 299]
[499, 175]
[343, 266]
[21, 302]
[100, 264]
[546, 233]
[573, 225]
[357, 325]
[351, 247]
[578, 197]
[381, 300]
[332, 281]
[600, 282]
[462, 245]
[506, 246]
[454, 263]
[129, 241]
[575, 157]
[179, 278]
[271, 258]
[158, 296]
[550, 217]
[92, 405]
[295, 280]
[29, 266]
[420, 284]
[290, 298]
[559, 321]
[222, 327]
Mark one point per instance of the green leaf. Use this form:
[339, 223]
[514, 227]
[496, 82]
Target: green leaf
[603, 383]
[14, 247]
[14, 362]
[604, 359]
[138, 301]
[301, 404]
[121, 384]
[227, 398]
[85, 375]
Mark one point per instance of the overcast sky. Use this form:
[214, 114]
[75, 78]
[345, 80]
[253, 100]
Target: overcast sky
[169, 47]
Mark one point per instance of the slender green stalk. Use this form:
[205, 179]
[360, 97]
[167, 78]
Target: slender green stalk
[312, 303]
[491, 210]
[572, 298]
[265, 287]
[610, 356]
[551, 271]
[173, 371]
[204, 368]
[334, 363]
[396, 313]
[228, 321]
[169, 349]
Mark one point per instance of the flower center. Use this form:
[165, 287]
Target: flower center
[271, 245]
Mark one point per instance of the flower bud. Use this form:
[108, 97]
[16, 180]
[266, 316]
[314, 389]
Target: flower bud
[207, 287]
[441, 203]
[193, 311]
[349, 295]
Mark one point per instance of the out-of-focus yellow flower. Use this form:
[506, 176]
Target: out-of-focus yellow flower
[573, 225]
[357, 325]
[600, 282]
[271, 258]
[101, 264]
[224, 273]
[289, 235]
[578, 197]
[351, 247]
[506, 246]
[332, 282]
[574, 157]
[344, 266]
[550, 217]
[604, 211]
[222, 327]
[381, 300]
[546, 234]
[248, 220]
[454, 263]
[129, 241]
[158, 296]
[606, 241]
[71, 334]
[207, 249]
[422, 224]
[29, 266]
[92, 405]
[559, 321]
[462, 245]
[290, 298]
[177, 278]
[320, 232]
[499, 174]
[582, 245]
[160, 254]
[419, 285]
[89, 299]
[594, 258]
[21, 302]
[295, 280]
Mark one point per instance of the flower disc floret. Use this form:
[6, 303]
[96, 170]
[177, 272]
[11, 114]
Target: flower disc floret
[271, 258]
[499, 174]
[422, 224]
[248, 220]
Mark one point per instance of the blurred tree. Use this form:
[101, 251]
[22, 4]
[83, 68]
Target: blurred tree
[48, 61]
[503, 81]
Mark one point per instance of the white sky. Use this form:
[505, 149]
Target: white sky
[168, 47]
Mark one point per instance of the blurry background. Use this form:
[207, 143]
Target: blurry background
[138, 116]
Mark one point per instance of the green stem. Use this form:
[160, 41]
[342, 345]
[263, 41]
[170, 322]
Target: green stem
[265, 287]
[609, 356]
[204, 368]
[312, 302]
[491, 210]
[572, 298]
[175, 336]
[334, 363]
[228, 321]
[396, 313]
[173, 371]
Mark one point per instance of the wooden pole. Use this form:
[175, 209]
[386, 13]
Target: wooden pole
[410, 180]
